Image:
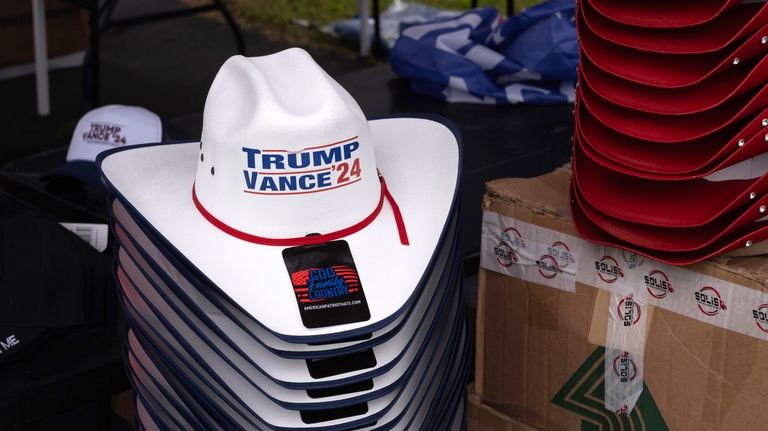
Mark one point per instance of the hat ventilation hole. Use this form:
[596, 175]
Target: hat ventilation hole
[764, 40]
[762, 208]
[748, 243]
[741, 142]
[202, 158]
[765, 137]
[736, 60]
[752, 195]
[213, 171]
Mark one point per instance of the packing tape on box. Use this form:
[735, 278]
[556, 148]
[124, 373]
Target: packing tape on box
[559, 260]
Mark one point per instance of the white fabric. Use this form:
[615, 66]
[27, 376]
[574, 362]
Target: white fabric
[113, 126]
[749, 169]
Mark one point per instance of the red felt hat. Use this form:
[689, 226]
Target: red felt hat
[734, 24]
[672, 162]
[671, 239]
[669, 70]
[677, 239]
[678, 204]
[737, 243]
[663, 13]
[669, 128]
[704, 95]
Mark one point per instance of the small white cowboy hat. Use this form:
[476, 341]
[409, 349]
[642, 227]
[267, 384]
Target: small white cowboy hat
[287, 154]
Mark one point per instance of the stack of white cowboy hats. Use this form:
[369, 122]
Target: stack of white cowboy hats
[297, 269]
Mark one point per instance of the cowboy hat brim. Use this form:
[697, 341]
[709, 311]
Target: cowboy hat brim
[251, 405]
[673, 128]
[671, 162]
[283, 380]
[668, 70]
[747, 244]
[680, 204]
[420, 160]
[661, 13]
[734, 24]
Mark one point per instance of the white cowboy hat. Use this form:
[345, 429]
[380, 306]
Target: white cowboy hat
[286, 153]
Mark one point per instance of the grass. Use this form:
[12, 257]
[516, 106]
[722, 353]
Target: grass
[321, 12]
[277, 19]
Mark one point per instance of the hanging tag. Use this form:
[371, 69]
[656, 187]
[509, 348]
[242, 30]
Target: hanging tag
[327, 287]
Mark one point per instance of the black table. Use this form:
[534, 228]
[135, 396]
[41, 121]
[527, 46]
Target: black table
[67, 201]
[70, 371]
[67, 370]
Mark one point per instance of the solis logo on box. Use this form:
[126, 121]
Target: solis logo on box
[709, 301]
[658, 285]
[608, 269]
[311, 170]
[761, 317]
[513, 238]
[633, 260]
[505, 255]
[510, 241]
[548, 266]
[625, 367]
[628, 310]
[562, 253]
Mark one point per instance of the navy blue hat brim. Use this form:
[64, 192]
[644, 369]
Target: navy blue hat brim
[82, 170]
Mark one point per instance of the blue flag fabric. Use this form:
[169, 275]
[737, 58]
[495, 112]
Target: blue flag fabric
[477, 57]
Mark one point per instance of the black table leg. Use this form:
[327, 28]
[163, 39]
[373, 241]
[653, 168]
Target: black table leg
[232, 25]
[376, 28]
[93, 54]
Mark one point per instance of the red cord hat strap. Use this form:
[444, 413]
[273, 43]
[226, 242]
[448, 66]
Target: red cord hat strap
[314, 239]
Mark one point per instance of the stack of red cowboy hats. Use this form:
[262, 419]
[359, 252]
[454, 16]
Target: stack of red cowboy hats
[671, 141]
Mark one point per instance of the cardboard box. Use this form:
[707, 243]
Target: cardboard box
[481, 417]
[65, 26]
[686, 346]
